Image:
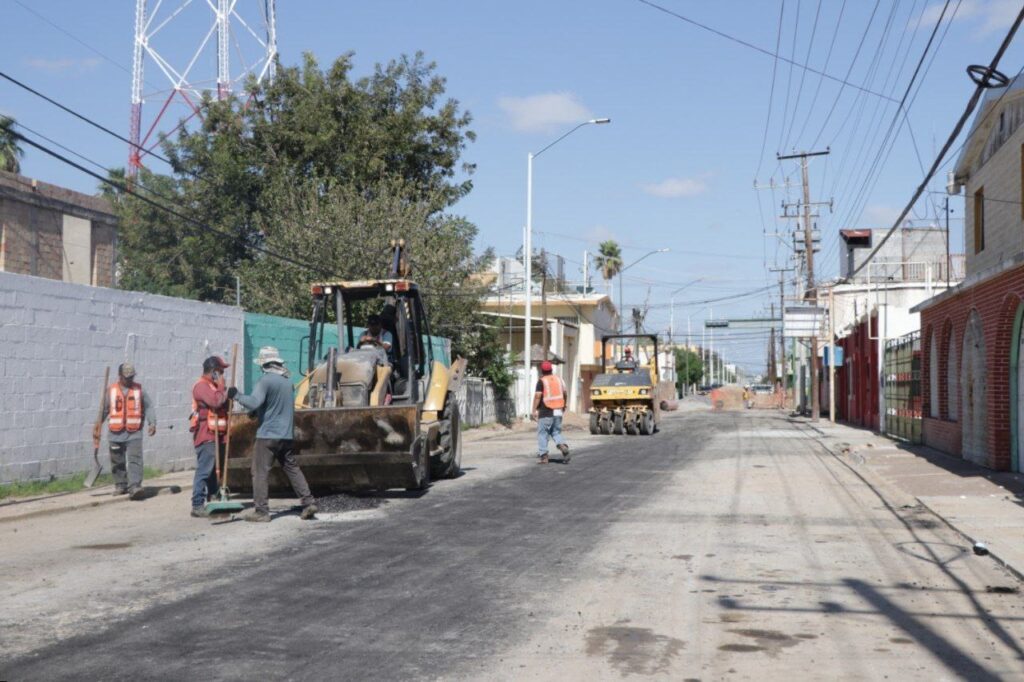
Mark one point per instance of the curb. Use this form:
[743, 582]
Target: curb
[173, 489]
[1002, 562]
[1016, 572]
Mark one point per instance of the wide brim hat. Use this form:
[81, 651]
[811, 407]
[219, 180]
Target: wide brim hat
[267, 355]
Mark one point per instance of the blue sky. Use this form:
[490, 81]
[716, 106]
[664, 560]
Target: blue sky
[676, 167]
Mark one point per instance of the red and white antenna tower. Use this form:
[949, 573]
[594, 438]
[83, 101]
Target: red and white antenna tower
[245, 30]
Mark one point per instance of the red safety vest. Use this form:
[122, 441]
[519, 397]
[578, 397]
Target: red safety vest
[125, 408]
[554, 393]
[219, 424]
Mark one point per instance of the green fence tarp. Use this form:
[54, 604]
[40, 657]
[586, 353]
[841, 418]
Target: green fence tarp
[291, 338]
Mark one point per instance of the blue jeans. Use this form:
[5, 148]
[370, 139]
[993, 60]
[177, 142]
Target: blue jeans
[548, 426]
[205, 481]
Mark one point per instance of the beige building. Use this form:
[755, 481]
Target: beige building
[575, 324]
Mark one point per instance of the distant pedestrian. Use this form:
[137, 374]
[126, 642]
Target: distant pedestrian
[548, 406]
[274, 406]
[125, 407]
[209, 426]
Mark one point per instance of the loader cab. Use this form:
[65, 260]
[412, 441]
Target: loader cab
[398, 377]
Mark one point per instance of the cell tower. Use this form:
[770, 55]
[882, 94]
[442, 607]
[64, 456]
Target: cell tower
[246, 35]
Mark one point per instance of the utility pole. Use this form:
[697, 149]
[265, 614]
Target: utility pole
[544, 304]
[782, 315]
[812, 293]
[586, 272]
[831, 355]
[949, 261]
[771, 350]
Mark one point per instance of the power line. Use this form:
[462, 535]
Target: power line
[828, 58]
[789, 77]
[968, 110]
[771, 94]
[803, 76]
[744, 43]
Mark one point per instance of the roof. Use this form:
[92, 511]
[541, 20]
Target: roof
[854, 234]
[362, 283]
[977, 137]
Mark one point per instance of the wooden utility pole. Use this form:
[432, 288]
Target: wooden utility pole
[782, 315]
[831, 355]
[812, 294]
[771, 350]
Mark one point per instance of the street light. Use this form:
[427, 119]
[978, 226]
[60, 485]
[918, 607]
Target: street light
[528, 260]
[622, 270]
[672, 327]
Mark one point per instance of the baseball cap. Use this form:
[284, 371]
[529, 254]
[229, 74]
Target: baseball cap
[126, 369]
[214, 362]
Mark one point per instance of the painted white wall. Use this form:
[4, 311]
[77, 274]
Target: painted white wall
[56, 338]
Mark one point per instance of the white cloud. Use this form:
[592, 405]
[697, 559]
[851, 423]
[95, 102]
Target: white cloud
[63, 64]
[544, 112]
[674, 188]
[988, 15]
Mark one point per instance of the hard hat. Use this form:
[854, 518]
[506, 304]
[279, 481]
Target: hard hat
[628, 350]
[546, 366]
[127, 370]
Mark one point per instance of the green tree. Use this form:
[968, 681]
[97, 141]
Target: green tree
[609, 260]
[11, 152]
[688, 368]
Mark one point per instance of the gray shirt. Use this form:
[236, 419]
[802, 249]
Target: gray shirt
[274, 406]
[148, 417]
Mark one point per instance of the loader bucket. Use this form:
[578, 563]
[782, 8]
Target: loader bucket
[344, 449]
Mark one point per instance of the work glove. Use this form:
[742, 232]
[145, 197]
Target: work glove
[232, 392]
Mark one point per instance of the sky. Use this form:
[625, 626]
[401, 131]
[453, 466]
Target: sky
[697, 118]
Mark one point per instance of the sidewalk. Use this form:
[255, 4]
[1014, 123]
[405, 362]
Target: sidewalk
[980, 504]
[28, 507]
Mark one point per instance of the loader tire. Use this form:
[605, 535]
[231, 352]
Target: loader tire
[595, 424]
[619, 419]
[606, 425]
[631, 425]
[423, 456]
[449, 464]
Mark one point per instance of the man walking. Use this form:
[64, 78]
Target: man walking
[209, 425]
[548, 404]
[125, 407]
[273, 404]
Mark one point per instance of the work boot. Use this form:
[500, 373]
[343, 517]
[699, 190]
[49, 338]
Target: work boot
[564, 449]
[136, 493]
[200, 513]
[256, 516]
[543, 459]
[309, 512]
[119, 491]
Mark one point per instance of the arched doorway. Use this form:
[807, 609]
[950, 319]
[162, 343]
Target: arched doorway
[974, 392]
[1017, 391]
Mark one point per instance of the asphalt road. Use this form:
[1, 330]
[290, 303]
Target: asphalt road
[728, 546]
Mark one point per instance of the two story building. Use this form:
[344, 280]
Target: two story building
[972, 374]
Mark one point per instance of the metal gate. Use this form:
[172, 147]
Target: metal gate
[902, 390]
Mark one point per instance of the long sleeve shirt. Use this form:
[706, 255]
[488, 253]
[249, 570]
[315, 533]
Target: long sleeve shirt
[274, 406]
[148, 416]
[209, 398]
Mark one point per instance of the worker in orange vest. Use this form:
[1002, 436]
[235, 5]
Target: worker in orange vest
[125, 407]
[209, 426]
[548, 406]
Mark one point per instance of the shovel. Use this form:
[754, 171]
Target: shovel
[224, 504]
[97, 468]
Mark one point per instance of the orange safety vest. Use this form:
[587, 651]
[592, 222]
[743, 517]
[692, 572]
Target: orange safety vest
[125, 408]
[554, 394]
[219, 424]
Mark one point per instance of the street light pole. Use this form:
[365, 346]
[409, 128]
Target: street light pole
[622, 270]
[528, 264]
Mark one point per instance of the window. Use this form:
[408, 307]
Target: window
[979, 220]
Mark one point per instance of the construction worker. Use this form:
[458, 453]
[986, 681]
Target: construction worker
[628, 362]
[376, 334]
[548, 404]
[125, 406]
[273, 404]
[209, 426]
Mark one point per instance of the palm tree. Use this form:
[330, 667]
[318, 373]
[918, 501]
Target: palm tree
[609, 261]
[10, 151]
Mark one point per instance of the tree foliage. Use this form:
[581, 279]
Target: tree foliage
[324, 168]
[689, 368]
[609, 259]
[11, 152]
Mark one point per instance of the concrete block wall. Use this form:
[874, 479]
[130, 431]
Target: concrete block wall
[55, 340]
